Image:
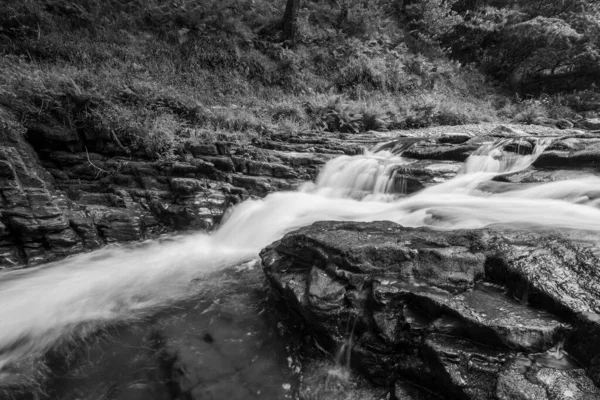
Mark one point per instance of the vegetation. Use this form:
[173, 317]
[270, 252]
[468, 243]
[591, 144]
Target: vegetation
[536, 47]
[154, 74]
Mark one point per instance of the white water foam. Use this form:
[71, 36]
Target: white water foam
[44, 306]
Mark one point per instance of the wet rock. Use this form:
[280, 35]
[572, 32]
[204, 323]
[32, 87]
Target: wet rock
[255, 185]
[296, 159]
[224, 148]
[545, 121]
[222, 163]
[116, 225]
[468, 370]
[592, 124]
[507, 131]
[323, 292]
[523, 380]
[454, 138]
[519, 180]
[203, 149]
[186, 186]
[258, 168]
[425, 151]
[450, 307]
[573, 153]
[564, 124]
[411, 178]
[546, 271]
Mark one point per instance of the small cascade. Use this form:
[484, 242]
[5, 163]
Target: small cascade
[370, 176]
[491, 157]
[359, 176]
[341, 369]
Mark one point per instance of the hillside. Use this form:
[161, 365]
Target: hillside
[153, 74]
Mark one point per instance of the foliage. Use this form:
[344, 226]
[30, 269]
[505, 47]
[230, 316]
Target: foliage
[156, 73]
[432, 19]
[534, 46]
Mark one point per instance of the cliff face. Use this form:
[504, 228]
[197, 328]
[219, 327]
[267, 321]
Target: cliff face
[64, 191]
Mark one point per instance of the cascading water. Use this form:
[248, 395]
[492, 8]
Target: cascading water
[491, 158]
[360, 177]
[44, 306]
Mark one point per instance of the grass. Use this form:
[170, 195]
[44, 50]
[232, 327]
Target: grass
[155, 74]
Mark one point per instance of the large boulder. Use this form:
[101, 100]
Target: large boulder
[482, 314]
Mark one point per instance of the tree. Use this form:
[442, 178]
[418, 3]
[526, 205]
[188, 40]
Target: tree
[535, 45]
[290, 22]
[431, 19]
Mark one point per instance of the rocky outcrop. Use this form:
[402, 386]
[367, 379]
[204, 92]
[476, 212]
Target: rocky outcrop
[572, 152]
[64, 191]
[482, 314]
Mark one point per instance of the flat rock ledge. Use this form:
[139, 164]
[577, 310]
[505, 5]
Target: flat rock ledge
[471, 314]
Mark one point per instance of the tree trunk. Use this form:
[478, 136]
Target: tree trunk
[290, 22]
[343, 16]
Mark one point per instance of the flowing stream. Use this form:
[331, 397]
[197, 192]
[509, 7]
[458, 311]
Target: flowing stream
[50, 304]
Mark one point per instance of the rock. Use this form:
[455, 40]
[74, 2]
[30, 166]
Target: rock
[507, 131]
[222, 163]
[545, 121]
[410, 178]
[425, 151]
[255, 185]
[454, 138]
[522, 178]
[296, 159]
[564, 124]
[467, 369]
[571, 153]
[203, 149]
[186, 186]
[592, 124]
[198, 212]
[116, 225]
[16, 168]
[523, 380]
[439, 306]
[224, 148]
[49, 136]
[258, 168]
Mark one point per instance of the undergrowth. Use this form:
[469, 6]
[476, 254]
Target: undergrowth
[155, 74]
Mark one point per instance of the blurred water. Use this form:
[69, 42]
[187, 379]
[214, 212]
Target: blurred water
[47, 305]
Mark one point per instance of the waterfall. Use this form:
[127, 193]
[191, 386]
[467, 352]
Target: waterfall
[490, 157]
[359, 176]
[51, 304]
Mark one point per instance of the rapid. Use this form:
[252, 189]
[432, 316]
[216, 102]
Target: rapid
[45, 306]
